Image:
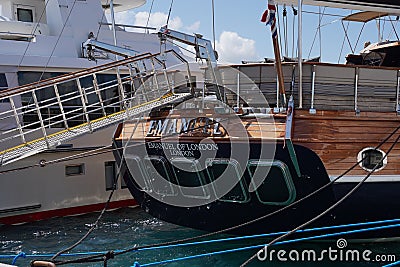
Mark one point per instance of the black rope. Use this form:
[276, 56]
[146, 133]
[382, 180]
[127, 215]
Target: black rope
[93, 227]
[135, 248]
[213, 21]
[278, 26]
[148, 18]
[285, 29]
[340, 201]
[293, 28]
[58, 39]
[102, 17]
[169, 12]
[394, 28]
[32, 34]
[316, 32]
[344, 40]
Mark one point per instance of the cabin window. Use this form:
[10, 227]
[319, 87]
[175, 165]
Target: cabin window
[228, 168]
[3, 86]
[110, 172]
[190, 178]
[277, 186]
[138, 174]
[159, 173]
[25, 13]
[77, 169]
[370, 158]
[3, 81]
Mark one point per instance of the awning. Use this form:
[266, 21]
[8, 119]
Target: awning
[392, 6]
[365, 16]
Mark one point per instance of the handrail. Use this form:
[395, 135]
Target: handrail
[73, 105]
[72, 75]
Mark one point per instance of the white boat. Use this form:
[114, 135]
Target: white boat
[42, 39]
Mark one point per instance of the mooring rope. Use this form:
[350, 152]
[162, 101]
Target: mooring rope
[341, 200]
[135, 248]
[370, 226]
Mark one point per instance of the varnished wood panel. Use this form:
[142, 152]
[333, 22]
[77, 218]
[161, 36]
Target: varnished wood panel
[338, 137]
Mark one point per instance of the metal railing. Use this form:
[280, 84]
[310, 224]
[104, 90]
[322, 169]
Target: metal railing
[47, 113]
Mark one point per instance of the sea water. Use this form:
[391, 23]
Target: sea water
[129, 227]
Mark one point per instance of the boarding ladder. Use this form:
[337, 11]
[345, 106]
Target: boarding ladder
[48, 113]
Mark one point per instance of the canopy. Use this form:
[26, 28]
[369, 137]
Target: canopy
[365, 16]
[391, 6]
[122, 5]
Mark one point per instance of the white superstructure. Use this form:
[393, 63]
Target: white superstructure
[41, 39]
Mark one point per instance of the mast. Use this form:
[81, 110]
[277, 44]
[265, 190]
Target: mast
[270, 19]
[300, 52]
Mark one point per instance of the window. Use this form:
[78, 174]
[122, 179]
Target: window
[228, 168]
[3, 81]
[190, 178]
[370, 158]
[3, 86]
[24, 13]
[110, 175]
[138, 176]
[277, 186]
[72, 170]
[159, 173]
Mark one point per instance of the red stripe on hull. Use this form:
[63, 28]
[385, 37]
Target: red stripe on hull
[37, 216]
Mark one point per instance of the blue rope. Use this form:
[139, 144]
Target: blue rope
[24, 255]
[20, 255]
[268, 234]
[277, 243]
[396, 263]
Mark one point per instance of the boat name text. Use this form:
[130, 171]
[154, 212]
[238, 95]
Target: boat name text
[204, 126]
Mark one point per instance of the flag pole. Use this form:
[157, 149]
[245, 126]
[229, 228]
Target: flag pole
[269, 17]
[279, 71]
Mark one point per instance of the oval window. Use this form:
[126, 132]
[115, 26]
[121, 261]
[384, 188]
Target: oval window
[371, 158]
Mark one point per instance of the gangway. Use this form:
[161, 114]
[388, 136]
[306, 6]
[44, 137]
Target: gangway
[49, 113]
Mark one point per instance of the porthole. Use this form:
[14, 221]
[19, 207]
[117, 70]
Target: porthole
[370, 158]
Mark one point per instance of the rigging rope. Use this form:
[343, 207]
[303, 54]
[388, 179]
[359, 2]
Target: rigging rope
[213, 22]
[102, 17]
[31, 35]
[344, 40]
[315, 35]
[148, 18]
[169, 12]
[293, 30]
[58, 39]
[279, 26]
[285, 29]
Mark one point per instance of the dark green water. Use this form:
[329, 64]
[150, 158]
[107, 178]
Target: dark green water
[125, 228]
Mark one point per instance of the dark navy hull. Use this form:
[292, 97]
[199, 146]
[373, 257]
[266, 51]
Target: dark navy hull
[371, 202]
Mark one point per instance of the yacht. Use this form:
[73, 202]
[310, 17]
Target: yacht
[268, 147]
[40, 41]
